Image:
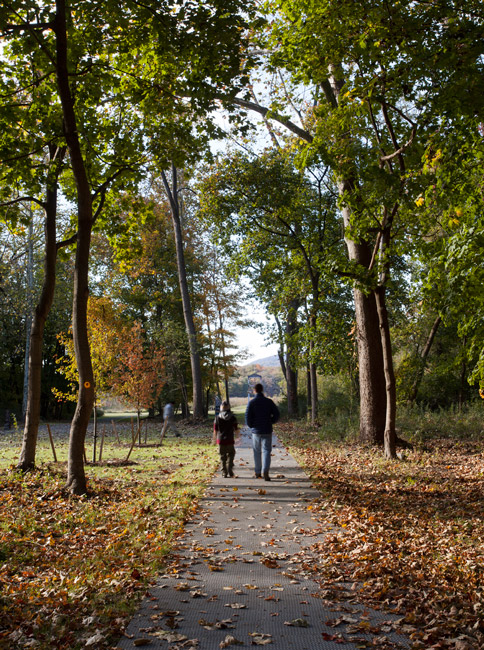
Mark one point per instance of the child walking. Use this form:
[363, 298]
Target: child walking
[224, 427]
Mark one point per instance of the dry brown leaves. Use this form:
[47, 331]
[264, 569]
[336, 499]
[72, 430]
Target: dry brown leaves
[71, 569]
[408, 535]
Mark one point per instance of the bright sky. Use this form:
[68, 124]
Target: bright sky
[255, 341]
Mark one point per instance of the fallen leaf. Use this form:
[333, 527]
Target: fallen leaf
[171, 637]
[297, 622]
[258, 638]
[230, 640]
[97, 638]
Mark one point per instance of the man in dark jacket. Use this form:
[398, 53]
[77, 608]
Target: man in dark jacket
[260, 415]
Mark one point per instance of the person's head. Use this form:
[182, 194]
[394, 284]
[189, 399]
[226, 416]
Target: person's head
[259, 388]
[225, 406]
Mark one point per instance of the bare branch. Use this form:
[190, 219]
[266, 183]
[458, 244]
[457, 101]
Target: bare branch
[268, 114]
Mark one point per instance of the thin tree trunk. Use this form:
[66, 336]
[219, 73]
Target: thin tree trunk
[314, 393]
[463, 378]
[280, 351]
[391, 393]
[313, 374]
[423, 360]
[32, 414]
[308, 392]
[187, 308]
[291, 372]
[29, 315]
[76, 478]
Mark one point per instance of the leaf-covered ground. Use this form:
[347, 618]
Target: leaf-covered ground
[72, 570]
[407, 535]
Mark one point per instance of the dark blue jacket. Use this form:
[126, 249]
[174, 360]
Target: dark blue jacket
[261, 414]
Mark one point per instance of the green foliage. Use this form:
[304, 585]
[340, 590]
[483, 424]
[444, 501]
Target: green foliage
[280, 230]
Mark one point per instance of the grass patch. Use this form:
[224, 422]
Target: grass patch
[73, 568]
[407, 535]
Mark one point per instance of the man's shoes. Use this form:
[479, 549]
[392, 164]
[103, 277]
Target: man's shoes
[231, 474]
[266, 476]
[224, 474]
[257, 475]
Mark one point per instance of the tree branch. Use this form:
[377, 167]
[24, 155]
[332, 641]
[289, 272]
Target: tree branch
[66, 242]
[21, 199]
[268, 114]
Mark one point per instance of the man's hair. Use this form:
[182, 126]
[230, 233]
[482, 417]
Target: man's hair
[259, 388]
[225, 406]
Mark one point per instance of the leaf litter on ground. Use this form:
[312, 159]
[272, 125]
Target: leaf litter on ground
[73, 570]
[404, 536]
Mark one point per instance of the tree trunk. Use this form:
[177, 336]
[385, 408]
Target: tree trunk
[314, 393]
[308, 392]
[32, 414]
[423, 360]
[371, 371]
[391, 393]
[28, 315]
[291, 372]
[370, 352]
[76, 478]
[187, 308]
[313, 374]
[463, 377]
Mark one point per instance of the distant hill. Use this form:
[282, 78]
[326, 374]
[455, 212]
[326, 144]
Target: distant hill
[266, 362]
[271, 377]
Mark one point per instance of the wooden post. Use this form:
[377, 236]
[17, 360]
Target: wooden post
[102, 443]
[52, 442]
[133, 442]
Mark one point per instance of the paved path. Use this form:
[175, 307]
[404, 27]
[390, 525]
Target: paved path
[241, 575]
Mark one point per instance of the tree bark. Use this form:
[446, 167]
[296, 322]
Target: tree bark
[29, 314]
[76, 478]
[42, 309]
[308, 391]
[187, 308]
[390, 386]
[291, 372]
[313, 380]
[370, 351]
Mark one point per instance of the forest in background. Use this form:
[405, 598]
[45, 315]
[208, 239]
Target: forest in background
[345, 190]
